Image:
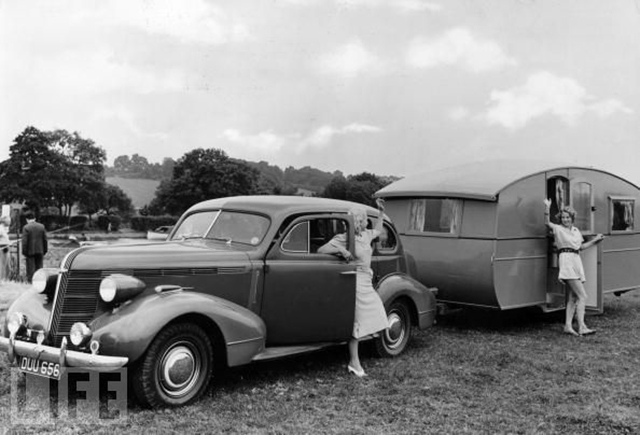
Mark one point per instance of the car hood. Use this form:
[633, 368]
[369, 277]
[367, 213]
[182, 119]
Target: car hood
[166, 255]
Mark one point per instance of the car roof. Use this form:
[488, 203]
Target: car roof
[278, 205]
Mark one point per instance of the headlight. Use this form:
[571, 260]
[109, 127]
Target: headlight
[45, 280]
[80, 334]
[16, 322]
[118, 288]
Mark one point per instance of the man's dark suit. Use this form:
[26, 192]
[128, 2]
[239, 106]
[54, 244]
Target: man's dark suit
[34, 246]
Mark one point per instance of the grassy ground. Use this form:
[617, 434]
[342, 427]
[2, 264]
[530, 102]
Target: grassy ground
[474, 372]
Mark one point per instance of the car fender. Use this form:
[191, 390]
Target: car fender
[34, 306]
[128, 330]
[399, 285]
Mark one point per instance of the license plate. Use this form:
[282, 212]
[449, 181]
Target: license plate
[41, 368]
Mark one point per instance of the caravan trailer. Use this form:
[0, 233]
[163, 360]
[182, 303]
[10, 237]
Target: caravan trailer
[477, 232]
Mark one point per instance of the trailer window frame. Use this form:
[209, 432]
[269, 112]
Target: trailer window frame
[613, 221]
[417, 217]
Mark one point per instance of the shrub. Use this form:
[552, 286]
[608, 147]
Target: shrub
[105, 220]
[146, 223]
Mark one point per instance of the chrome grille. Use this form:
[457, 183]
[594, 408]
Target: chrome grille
[76, 301]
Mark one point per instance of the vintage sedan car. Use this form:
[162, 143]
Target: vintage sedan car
[238, 280]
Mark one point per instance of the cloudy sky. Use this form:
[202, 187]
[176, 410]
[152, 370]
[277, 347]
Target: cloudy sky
[393, 87]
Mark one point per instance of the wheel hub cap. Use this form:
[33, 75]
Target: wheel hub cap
[179, 370]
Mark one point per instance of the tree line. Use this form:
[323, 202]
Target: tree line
[60, 170]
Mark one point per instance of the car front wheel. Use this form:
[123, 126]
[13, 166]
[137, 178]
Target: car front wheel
[394, 340]
[176, 368]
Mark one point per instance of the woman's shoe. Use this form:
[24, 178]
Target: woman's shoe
[359, 373]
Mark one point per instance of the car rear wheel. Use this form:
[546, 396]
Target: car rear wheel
[393, 341]
[176, 368]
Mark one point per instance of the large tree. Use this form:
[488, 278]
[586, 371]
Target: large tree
[51, 169]
[204, 174]
[34, 171]
[357, 188]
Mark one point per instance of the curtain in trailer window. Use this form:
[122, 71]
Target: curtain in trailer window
[416, 215]
[581, 197]
[622, 218]
[435, 215]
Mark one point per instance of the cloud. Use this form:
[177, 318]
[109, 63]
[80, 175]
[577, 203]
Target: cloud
[126, 117]
[190, 21]
[100, 72]
[267, 143]
[264, 143]
[350, 61]
[399, 5]
[546, 94]
[323, 136]
[458, 113]
[458, 47]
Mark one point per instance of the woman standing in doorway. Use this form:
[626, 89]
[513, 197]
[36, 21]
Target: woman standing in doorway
[570, 242]
[370, 315]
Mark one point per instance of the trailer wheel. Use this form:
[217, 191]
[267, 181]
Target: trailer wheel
[394, 340]
[176, 368]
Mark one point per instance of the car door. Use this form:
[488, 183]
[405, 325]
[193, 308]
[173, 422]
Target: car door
[309, 297]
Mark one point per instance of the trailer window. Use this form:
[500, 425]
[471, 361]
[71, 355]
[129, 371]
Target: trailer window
[435, 215]
[622, 214]
[582, 204]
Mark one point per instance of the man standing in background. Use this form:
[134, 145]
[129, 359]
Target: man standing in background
[34, 244]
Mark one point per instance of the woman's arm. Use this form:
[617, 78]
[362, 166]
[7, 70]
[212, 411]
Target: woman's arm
[378, 228]
[547, 212]
[590, 243]
[335, 247]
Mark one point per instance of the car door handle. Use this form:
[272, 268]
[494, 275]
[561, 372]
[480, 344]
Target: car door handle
[348, 272]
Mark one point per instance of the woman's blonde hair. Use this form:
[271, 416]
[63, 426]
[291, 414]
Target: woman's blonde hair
[6, 220]
[568, 210]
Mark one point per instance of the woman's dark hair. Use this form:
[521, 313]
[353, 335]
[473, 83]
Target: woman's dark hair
[569, 210]
[29, 215]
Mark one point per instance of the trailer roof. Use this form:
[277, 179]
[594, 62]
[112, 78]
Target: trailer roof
[481, 180]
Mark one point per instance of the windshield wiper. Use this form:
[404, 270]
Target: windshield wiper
[221, 239]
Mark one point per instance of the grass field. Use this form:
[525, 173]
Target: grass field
[474, 372]
[141, 191]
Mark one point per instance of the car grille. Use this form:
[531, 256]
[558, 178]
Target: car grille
[76, 301]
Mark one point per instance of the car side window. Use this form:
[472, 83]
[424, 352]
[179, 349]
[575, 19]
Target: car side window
[297, 240]
[307, 236]
[387, 241]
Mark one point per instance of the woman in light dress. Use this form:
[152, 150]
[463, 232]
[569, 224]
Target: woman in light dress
[370, 315]
[570, 242]
[5, 222]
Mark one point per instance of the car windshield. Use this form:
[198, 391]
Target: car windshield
[226, 226]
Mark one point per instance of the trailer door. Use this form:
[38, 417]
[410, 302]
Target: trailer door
[591, 262]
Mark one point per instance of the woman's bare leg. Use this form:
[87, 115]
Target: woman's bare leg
[354, 358]
[570, 312]
[581, 294]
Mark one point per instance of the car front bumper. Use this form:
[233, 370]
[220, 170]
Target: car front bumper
[66, 358]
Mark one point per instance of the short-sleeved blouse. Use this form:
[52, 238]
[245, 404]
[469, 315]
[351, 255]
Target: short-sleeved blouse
[567, 237]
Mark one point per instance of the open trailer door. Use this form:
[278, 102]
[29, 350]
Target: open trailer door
[593, 285]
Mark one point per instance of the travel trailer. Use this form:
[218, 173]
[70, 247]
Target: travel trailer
[477, 232]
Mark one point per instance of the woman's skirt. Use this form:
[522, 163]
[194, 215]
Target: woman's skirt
[370, 315]
[570, 266]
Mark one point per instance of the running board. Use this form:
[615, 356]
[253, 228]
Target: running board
[282, 351]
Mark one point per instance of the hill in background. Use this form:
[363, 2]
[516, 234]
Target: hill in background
[141, 191]
[139, 179]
